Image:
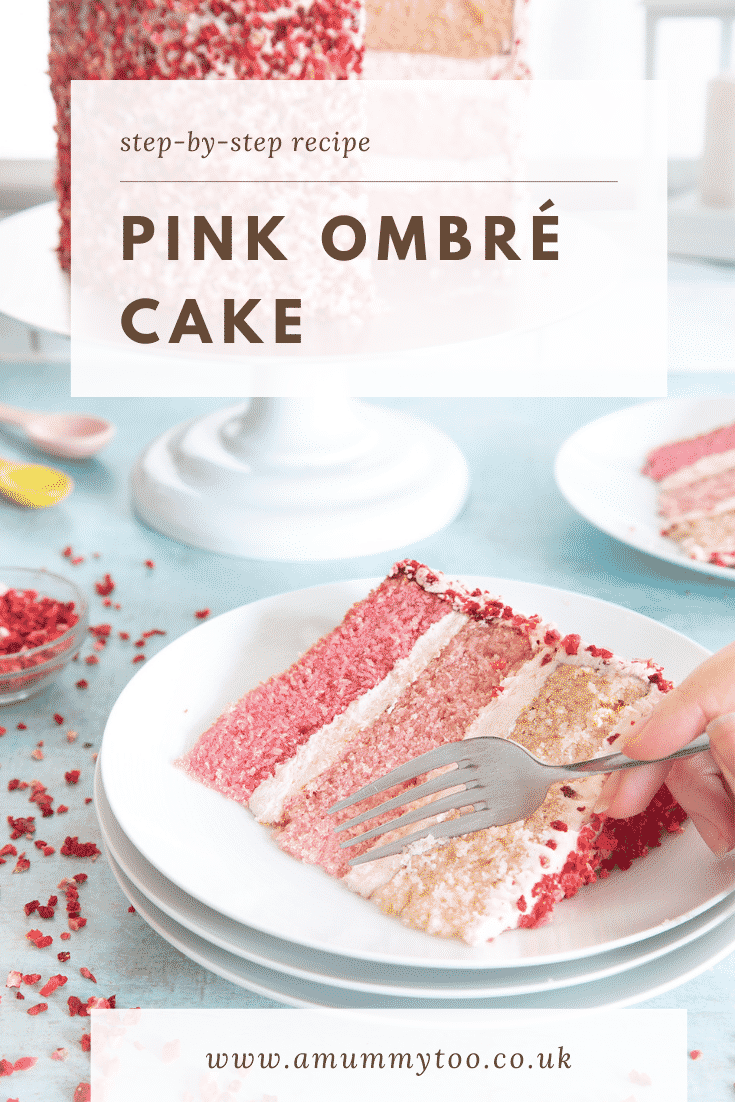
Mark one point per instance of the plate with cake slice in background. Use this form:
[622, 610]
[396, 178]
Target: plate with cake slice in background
[335, 684]
[660, 477]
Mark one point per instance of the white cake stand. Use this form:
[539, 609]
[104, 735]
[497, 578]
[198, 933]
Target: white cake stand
[284, 479]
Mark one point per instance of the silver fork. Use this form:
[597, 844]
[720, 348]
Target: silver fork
[501, 780]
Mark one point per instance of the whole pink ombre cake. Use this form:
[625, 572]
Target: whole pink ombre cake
[420, 662]
[696, 480]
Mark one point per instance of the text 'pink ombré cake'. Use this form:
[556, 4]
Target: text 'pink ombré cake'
[420, 662]
[696, 480]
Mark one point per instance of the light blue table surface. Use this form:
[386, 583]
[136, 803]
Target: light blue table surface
[515, 525]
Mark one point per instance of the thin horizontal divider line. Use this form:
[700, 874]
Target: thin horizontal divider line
[369, 181]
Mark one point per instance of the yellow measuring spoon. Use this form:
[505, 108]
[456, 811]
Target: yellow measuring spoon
[33, 485]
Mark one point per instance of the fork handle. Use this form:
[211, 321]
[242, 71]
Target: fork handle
[613, 762]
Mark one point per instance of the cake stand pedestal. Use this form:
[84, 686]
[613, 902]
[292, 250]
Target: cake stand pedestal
[282, 479]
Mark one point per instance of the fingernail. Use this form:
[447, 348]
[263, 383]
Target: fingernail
[608, 793]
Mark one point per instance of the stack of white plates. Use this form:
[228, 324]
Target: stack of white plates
[212, 882]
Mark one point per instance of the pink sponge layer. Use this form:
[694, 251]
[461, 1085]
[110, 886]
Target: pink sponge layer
[267, 726]
[669, 458]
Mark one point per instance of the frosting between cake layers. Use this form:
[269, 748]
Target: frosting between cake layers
[324, 746]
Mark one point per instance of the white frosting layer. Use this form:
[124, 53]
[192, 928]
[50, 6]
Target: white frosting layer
[326, 744]
[705, 467]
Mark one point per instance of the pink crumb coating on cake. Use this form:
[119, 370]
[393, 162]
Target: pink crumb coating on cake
[436, 708]
[664, 461]
[267, 726]
[701, 496]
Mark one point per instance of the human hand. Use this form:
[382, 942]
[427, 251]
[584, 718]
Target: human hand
[703, 784]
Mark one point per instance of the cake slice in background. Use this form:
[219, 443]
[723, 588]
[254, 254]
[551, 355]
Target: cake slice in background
[421, 662]
[696, 480]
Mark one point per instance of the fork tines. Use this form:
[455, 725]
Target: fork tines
[465, 775]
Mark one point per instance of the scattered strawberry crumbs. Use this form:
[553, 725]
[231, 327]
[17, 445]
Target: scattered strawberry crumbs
[22, 727]
[52, 983]
[131, 910]
[38, 939]
[91, 659]
[124, 634]
[149, 563]
[59, 1054]
[695, 1054]
[58, 719]
[138, 658]
[72, 736]
[37, 754]
[82, 683]
[202, 614]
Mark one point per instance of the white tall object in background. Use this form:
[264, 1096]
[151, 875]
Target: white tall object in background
[717, 177]
[702, 223]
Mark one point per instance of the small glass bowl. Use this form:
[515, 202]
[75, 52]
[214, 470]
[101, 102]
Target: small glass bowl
[28, 672]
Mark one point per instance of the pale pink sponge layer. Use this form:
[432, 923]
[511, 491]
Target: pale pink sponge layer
[420, 662]
[697, 494]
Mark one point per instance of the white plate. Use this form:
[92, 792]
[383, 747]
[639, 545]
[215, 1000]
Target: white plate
[619, 991]
[215, 851]
[371, 976]
[598, 470]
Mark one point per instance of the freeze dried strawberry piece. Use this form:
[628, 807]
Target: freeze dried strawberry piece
[83, 1093]
[100, 631]
[12, 785]
[91, 660]
[29, 908]
[6, 1068]
[76, 1007]
[21, 826]
[131, 910]
[22, 864]
[95, 1003]
[77, 923]
[81, 684]
[72, 847]
[24, 1063]
[86, 1042]
[124, 635]
[63, 957]
[14, 979]
[87, 974]
[38, 939]
[72, 777]
[62, 810]
[149, 563]
[105, 587]
[153, 631]
[46, 912]
[52, 983]
[48, 850]
[8, 851]
[58, 719]
[59, 1054]
[22, 727]
[37, 1009]
[138, 658]
[65, 936]
[202, 614]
